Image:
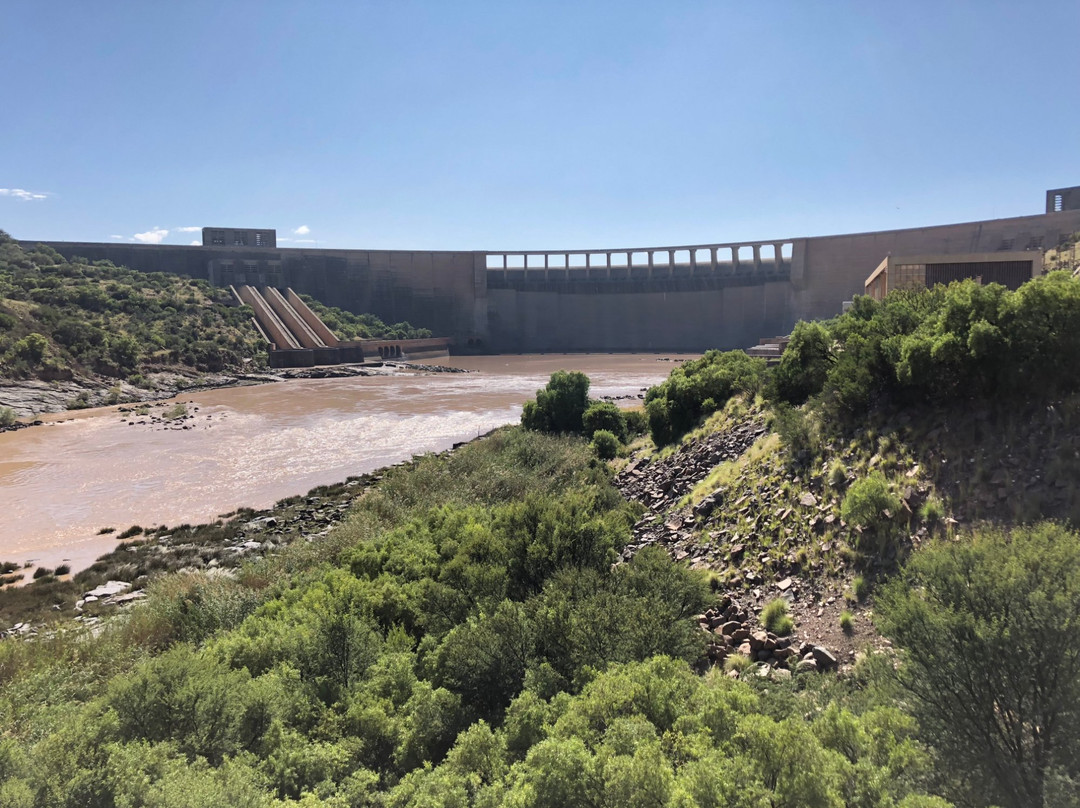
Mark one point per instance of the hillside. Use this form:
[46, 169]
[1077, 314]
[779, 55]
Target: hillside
[102, 334]
[849, 580]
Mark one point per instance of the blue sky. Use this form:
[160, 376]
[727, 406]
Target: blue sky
[526, 125]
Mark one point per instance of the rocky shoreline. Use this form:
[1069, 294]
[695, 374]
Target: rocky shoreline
[119, 577]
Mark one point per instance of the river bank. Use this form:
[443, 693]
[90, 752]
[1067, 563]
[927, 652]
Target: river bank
[210, 452]
[33, 599]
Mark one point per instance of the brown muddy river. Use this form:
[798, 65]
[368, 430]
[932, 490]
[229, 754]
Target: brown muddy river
[251, 446]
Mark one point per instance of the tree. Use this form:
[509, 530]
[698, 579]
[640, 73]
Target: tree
[604, 415]
[605, 444]
[991, 634]
[559, 407]
[805, 363]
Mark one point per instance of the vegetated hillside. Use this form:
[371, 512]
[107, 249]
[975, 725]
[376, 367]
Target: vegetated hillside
[502, 625]
[60, 319]
[348, 326]
[64, 319]
[462, 639]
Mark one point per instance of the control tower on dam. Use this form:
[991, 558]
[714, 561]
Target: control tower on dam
[675, 298]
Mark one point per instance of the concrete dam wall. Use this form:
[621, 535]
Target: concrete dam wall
[686, 298]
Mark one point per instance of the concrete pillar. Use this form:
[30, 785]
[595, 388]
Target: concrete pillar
[693, 262]
[671, 262]
[608, 264]
[712, 258]
[734, 259]
[779, 253]
[757, 258]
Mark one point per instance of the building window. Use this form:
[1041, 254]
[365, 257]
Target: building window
[218, 237]
[239, 240]
[260, 240]
[1058, 203]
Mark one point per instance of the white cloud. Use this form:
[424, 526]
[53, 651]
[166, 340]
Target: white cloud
[119, 237]
[302, 230]
[20, 193]
[188, 229]
[154, 235]
[196, 244]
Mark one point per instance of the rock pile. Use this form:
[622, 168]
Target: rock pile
[660, 483]
[730, 632]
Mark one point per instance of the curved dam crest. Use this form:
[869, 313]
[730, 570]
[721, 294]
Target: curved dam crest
[675, 298]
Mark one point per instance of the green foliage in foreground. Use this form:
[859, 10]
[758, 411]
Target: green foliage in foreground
[463, 640]
[991, 632]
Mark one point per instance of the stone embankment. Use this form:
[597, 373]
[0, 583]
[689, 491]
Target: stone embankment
[659, 485]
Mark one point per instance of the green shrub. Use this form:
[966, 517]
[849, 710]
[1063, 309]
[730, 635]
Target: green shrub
[988, 626]
[870, 504]
[637, 422]
[837, 474]
[796, 432]
[7, 416]
[860, 588]
[933, 510]
[676, 405]
[560, 406]
[737, 662]
[804, 365]
[776, 619]
[847, 621]
[605, 444]
[42, 572]
[604, 415]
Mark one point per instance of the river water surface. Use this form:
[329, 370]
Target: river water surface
[251, 446]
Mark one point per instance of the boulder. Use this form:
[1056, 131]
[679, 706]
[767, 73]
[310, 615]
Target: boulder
[824, 658]
[807, 665]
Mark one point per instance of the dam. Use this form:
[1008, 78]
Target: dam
[672, 298]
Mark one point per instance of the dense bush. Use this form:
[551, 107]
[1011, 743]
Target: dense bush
[940, 346]
[696, 388]
[348, 326]
[990, 629]
[871, 507]
[804, 365]
[605, 444]
[604, 415]
[560, 407]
